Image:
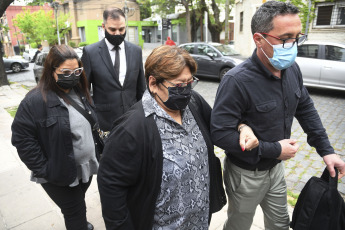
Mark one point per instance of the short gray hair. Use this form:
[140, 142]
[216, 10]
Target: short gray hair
[263, 17]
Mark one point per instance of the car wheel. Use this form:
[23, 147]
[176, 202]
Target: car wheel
[16, 67]
[223, 72]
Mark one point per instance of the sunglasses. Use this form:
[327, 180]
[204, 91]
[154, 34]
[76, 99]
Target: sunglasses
[69, 72]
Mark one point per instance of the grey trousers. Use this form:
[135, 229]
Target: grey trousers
[248, 189]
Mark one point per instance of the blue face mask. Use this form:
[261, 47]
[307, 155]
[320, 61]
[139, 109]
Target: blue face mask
[282, 58]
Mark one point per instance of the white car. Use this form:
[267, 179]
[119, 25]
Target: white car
[29, 54]
[322, 64]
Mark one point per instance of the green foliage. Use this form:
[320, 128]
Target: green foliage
[304, 11]
[292, 198]
[41, 25]
[4, 27]
[33, 45]
[145, 9]
[12, 111]
[39, 2]
[81, 44]
[72, 44]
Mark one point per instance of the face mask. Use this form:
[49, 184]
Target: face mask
[178, 98]
[115, 40]
[67, 82]
[282, 58]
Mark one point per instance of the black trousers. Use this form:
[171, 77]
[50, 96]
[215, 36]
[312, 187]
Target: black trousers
[71, 201]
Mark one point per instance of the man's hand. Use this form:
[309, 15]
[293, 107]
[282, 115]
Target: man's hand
[248, 140]
[333, 160]
[289, 149]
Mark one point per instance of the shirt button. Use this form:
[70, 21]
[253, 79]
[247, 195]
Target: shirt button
[89, 112]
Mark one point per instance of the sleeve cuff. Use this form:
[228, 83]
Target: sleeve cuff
[269, 149]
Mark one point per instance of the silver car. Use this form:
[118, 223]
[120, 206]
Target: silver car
[322, 64]
[15, 64]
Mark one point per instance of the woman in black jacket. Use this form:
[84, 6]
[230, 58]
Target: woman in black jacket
[158, 169]
[54, 140]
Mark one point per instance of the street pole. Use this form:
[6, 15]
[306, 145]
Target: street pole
[307, 23]
[227, 22]
[56, 5]
[206, 22]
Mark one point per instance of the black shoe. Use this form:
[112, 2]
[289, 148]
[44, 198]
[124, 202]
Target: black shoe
[89, 226]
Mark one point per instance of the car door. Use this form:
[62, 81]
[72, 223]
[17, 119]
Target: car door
[309, 63]
[206, 58]
[333, 67]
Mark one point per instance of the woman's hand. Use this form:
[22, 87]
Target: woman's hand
[248, 140]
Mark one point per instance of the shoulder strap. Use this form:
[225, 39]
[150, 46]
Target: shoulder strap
[81, 111]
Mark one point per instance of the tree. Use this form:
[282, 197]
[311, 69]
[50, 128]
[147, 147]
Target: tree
[3, 76]
[41, 25]
[145, 9]
[303, 6]
[164, 7]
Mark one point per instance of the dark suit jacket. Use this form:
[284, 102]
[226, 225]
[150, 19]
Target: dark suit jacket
[110, 98]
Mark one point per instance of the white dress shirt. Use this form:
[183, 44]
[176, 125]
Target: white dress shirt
[123, 63]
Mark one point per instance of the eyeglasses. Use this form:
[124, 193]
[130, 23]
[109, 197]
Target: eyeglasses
[69, 72]
[290, 42]
[183, 86]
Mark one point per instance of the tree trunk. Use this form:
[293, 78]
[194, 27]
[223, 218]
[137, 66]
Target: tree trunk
[3, 76]
[195, 25]
[217, 27]
[189, 37]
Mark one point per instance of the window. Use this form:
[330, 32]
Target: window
[308, 51]
[206, 50]
[335, 53]
[189, 48]
[341, 16]
[324, 15]
[82, 34]
[241, 21]
[329, 14]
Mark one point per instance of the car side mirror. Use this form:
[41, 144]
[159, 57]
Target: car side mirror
[211, 55]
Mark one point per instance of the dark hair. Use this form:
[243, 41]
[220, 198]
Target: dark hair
[168, 62]
[263, 17]
[39, 46]
[57, 55]
[113, 13]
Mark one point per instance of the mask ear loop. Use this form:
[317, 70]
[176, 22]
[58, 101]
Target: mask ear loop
[261, 47]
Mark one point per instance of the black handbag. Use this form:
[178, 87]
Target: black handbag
[99, 135]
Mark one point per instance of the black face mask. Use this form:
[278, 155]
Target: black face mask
[178, 97]
[115, 40]
[67, 82]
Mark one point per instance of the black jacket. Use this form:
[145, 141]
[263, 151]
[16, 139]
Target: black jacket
[42, 135]
[111, 98]
[130, 173]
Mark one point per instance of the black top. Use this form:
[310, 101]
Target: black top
[42, 135]
[130, 171]
[250, 93]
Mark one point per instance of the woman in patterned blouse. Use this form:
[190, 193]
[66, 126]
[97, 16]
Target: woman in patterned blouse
[158, 169]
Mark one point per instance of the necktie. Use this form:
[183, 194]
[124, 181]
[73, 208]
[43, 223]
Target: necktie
[117, 61]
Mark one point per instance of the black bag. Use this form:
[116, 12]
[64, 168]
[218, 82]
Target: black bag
[99, 135]
[319, 206]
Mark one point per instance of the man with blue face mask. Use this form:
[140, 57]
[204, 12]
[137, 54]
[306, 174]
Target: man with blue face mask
[266, 92]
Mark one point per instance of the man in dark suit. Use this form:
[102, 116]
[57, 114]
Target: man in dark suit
[114, 67]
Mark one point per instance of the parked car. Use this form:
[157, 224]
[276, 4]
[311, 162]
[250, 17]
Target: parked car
[29, 54]
[322, 64]
[38, 66]
[213, 59]
[15, 64]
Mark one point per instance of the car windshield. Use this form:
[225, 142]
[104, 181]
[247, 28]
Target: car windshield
[226, 50]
